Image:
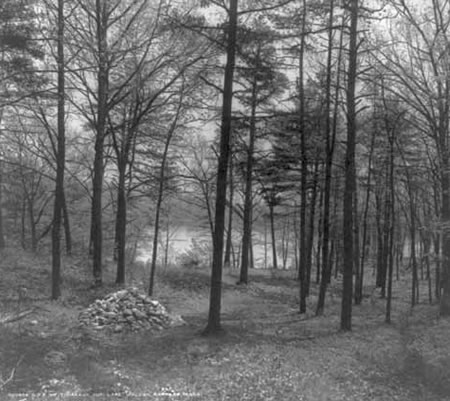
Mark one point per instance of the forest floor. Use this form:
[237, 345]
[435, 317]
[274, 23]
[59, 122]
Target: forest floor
[267, 351]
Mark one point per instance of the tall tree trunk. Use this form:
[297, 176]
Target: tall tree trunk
[366, 213]
[121, 223]
[330, 136]
[67, 232]
[414, 270]
[386, 228]
[272, 232]
[162, 178]
[252, 255]
[312, 220]
[379, 223]
[304, 167]
[166, 248]
[358, 283]
[265, 242]
[412, 230]
[347, 291]
[285, 242]
[213, 326]
[60, 160]
[247, 223]
[227, 258]
[34, 240]
[319, 237]
[102, 99]
[391, 206]
[426, 258]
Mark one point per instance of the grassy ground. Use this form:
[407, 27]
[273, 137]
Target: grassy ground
[268, 351]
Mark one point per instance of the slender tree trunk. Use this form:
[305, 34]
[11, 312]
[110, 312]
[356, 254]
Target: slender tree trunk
[437, 252]
[227, 259]
[319, 237]
[412, 231]
[391, 206]
[304, 168]
[162, 178]
[415, 276]
[379, 223]
[358, 283]
[213, 326]
[251, 256]
[272, 231]
[34, 241]
[312, 220]
[102, 99]
[60, 161]
[247, 228]
[426, 248]
[366, 212]
[121, 223]
[330, 136]
[386, 228]
[287, 240]
[285, 243]
[166, 248]
[347, 291]
[265, 242]
[67, 232]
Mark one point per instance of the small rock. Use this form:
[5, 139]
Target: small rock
[118, 328]
[139, 314]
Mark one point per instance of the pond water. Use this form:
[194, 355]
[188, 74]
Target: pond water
[184, 238]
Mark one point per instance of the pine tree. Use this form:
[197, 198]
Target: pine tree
[18, 54]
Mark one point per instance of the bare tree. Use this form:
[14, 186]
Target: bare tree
[347, 292]
[60, 160]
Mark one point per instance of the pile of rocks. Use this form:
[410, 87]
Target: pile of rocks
[128, 310]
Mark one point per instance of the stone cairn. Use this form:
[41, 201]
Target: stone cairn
[128, 310]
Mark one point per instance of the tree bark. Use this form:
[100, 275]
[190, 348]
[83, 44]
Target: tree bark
[312, 220]
[272, 232]
[34, 240]
[214, 326]
[227, 258]
[347, 291]
[304, 168]
[121, 224]
[358, 282]
[60, 161]
[102, 112]
[67, 232]
[330, 136]
[391, 206]
[247, 223]
[366, 212]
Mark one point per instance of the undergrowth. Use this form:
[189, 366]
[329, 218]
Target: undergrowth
[268, 351]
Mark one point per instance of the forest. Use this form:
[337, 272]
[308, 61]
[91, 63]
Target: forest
[212, 154]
